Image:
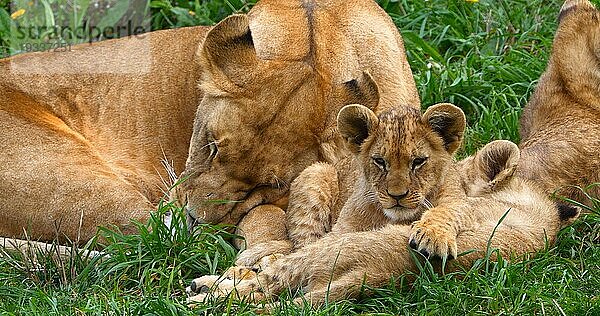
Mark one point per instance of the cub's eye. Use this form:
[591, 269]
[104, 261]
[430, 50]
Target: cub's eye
[379, 162]
[418, 162]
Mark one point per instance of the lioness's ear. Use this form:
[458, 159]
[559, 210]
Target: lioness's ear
[228, 51]
[449, 122]
[355, 122]
[362, 90]
[498, 161]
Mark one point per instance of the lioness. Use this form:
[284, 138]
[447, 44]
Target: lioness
[513, 214]
[83, 132]
[273, 83]
[81, 146]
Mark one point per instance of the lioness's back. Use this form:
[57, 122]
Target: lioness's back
[85, 139]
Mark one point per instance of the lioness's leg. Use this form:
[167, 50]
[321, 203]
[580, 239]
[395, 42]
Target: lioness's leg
[343, 262]
[47, 166]
[264, 232]
[341, 259]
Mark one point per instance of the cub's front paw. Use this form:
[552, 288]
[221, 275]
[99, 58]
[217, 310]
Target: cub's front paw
[432, 238]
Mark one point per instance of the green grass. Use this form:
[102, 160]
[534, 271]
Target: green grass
[485, 57]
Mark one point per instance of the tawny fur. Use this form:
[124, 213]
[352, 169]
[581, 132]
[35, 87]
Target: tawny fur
[77, 141]
[360, 191]
[560, 131]
[83, 133]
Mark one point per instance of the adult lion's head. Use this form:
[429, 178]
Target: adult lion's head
[273, 82]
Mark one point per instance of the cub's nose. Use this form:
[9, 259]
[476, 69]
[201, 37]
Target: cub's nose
[397, 195]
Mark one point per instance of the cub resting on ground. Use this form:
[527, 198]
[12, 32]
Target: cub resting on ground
[336, 265]
[401, 172]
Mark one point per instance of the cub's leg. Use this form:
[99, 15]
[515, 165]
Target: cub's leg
[435, 233]
[53, 183]
[311, 212]
[344, 260]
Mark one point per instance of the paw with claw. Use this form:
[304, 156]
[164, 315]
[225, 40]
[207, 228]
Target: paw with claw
[237, 280]
[433, 238]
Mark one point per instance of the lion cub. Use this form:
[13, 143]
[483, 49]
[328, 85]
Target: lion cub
[403, 173]
[402, 168]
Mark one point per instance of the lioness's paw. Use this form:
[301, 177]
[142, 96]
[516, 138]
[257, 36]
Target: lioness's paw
[254, 254]
[200, 287]
[433, 238]
[210, 283]
[239, 281]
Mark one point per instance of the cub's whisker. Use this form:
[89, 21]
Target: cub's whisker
[427, 204]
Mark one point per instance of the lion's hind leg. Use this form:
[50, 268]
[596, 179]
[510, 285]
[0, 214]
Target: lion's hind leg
[54, 181]
[576, 51]
[571, 5]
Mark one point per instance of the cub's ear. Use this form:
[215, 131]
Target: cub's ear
[449, 122]
[228, 52]
[497, 162]
[567, 213]
[355, 122]
[362, 90]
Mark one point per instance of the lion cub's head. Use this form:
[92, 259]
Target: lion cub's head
[404, 155]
